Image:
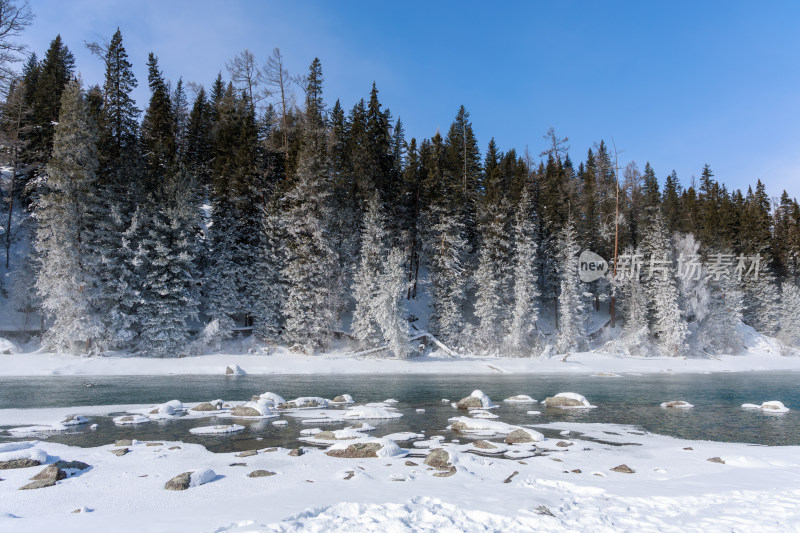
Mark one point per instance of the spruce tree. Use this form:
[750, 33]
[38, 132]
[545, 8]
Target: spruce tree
[571, 312]
[367, 280]
[526, 294]
[391, 309]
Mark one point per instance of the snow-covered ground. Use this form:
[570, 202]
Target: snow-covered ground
[572, 486]
[282, 362]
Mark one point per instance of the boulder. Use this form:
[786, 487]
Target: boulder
[39, 484]
[325, 435]
[119, 452]
[205, 406]
[518, 436]
[470, 402]
[124, 442]
[51, 472]
[244, 411]
[260, 473]
[484, 445]
[234, 370]
[459, 426]
[179, 482]
[716, 460]
[449, 471]
[358, 450]
[564, 444]
[297, 452]
[71, 465]
[19, 463]
[438, 458]
[154, 444]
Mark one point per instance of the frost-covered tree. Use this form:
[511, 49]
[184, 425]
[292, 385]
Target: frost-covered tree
[762, 300]
[222, 295]
[571, 312]
[720, 329]
[367, 280]
[390, 309]
[666, 322]
[790, 314]
[493, 277]
[526, 293]
[447, 251]
[64, 240]
[269, 282]
[166, 257]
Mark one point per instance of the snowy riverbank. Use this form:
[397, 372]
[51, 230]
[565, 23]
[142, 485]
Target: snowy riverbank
[43, 364]
[574, 485]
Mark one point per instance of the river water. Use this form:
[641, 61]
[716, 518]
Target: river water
[627, 399]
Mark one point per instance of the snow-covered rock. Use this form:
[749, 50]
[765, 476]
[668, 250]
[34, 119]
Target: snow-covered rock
[476, 400]
[17, 453]
[775, 407]
[305, 402]
[520, 398]
[480, 413]
[677, 404]
[270, 399]
[130, 420]
[74, 420]
[368, 448]
[252, 409]
[342, 399]
[568, 400]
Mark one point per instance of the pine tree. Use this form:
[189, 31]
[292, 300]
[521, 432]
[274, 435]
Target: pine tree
[270, 283]
[65, 242]
[526, 310]
[311, 262]
[633, 306]
[158, 129]
[721, 327]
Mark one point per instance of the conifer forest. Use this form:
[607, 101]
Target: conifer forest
[260, 205]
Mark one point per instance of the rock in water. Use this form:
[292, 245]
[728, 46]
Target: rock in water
[205, 406]
[179, 482]
[562, 401]
[244, 411]
[470, 402]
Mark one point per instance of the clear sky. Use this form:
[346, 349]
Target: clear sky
[679, 84]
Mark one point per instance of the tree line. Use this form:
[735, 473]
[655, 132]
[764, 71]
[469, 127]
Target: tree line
[256, 204]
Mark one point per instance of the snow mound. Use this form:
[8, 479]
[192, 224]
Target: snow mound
[419, 514]
[306, 402]
[775, 407]
[479, 413]
[677, 404]
[217, 430]
[520, 398]
[270, 399]
[33, 453]
[32, 431]
[201, 477]
[486, 402]
[7, 347]
[74, 420]
[14, 446]
[342, 399]
[280, 423]
[366, 412]
[130, 420]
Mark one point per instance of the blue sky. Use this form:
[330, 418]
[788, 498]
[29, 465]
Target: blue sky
[679, 84]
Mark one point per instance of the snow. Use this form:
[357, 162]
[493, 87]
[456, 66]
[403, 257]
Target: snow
[33, 453]
[492, 427]
[270, 399]
[130, 420]
[369, 412]
[217, 430]
[7, 347]
[486, 402]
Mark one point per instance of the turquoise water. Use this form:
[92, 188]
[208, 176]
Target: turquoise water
[633, 400]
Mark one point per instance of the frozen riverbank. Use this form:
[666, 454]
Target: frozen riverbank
[42, 364]
[574, 483]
